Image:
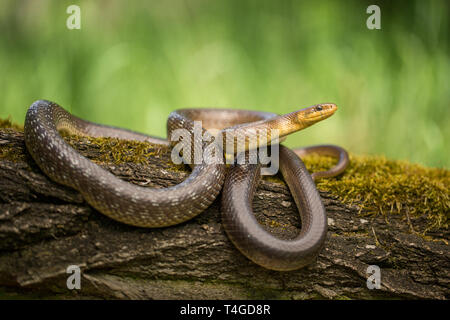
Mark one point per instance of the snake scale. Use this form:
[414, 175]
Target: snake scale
[148, 207]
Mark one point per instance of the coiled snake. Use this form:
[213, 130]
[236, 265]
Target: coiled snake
[147, 207]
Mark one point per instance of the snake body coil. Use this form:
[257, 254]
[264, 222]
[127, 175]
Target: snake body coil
[146, 207]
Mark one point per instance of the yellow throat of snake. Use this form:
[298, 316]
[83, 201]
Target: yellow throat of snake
[303, 118]
[283, 124]
[308, 116]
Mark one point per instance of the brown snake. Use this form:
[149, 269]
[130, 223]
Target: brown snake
[147, 207]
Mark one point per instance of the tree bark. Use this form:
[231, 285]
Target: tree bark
[46, 227]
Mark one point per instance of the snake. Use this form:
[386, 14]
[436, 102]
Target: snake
[162, 207]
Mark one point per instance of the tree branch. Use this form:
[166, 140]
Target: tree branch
[45, 227]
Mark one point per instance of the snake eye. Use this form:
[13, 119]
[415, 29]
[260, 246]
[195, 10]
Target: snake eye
[319, 108]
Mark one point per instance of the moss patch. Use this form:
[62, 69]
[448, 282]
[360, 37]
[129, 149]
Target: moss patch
[113, 150]
[7, 123]
[12, 153]
[15, 149]
[117, 151]
[382, 186]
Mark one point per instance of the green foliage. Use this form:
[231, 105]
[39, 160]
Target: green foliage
[130, 64]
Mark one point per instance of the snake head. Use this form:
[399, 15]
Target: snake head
[316, 113]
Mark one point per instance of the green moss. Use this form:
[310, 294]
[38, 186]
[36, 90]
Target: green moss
[117, 151]
[7, 123]
[12, 153]
[113, 150]
[276, 224]
[381, 186]
[274, 179]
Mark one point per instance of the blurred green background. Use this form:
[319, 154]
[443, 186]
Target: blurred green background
[131, 63]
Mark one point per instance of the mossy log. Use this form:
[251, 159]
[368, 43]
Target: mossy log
[45, 227]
